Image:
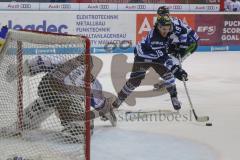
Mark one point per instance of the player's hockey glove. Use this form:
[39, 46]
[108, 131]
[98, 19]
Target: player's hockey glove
[178, 49]
[179, 73]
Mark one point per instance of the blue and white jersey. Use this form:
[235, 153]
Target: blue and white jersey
[231, 6]
[183, 31]
[97, 97]
[153, 46]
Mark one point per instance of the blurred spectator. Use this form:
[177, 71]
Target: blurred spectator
[147, 1]
[25, 0]
[44, 1]
[232, 5]
[136, 1]
[60, 1]
[133, 1]
[227, 4]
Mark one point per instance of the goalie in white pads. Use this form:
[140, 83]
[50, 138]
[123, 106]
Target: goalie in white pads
[61, 91]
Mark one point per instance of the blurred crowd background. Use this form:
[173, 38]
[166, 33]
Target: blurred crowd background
[232, 5]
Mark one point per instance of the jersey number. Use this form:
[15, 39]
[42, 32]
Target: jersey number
[178, 29]
[159, 52]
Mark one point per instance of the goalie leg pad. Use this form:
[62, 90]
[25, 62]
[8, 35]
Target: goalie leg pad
[74, 132]
[36, 113]
[33, 116]
[71, 108]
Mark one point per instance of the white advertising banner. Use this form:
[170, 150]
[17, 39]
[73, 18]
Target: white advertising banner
[101, 27]
[135, 7]
[59, 6]
[98, 6]
[19, 6]
[174, 7]
[204, 7]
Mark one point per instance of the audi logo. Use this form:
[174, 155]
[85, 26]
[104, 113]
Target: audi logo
[141, 6]
[25, 6]
[177, 7]
[104, 6]
[66, 6]
[210, 8]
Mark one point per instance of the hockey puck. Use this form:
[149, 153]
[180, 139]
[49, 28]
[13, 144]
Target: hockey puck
[208, 124]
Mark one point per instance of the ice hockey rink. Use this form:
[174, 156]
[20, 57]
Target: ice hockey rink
[215, 91]
[148, 130]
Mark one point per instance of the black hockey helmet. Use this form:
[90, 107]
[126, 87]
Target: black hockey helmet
[163, 11]
[164, 21]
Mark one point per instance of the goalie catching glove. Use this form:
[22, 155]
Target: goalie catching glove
[179, 73]
[32, 67]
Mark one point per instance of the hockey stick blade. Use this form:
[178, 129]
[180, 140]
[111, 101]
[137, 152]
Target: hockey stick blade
[203, 119]
[200, 119]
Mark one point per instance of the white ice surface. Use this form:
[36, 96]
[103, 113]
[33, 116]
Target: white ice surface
[214, 85]
[137, 145]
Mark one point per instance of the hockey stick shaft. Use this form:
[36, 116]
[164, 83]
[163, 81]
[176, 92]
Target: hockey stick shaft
[200, 119]
[189, 99]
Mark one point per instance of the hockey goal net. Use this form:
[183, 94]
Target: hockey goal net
[42, 114]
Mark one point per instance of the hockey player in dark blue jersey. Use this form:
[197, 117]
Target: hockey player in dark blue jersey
[183, 44]
[186, 41]
[153, 52]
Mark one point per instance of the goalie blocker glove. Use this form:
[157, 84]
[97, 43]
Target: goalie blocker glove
[179, 73]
